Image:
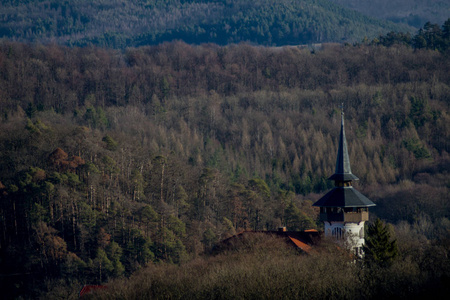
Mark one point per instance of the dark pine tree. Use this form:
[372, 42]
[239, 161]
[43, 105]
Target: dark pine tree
[379, 248]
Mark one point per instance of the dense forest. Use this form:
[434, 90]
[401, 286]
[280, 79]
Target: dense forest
[115, 159]
[124, 23]
[412, 12]
[261, 267]
[431, 36]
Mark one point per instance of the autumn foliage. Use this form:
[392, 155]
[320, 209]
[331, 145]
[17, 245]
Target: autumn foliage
[114, 160]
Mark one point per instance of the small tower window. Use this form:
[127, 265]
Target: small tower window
[337, 232]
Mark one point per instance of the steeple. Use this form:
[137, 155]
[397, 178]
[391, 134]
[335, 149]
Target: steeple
[343, 195]
[343, 209]
[343, 171]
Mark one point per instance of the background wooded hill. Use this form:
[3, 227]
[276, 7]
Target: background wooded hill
[121, 24]
[112, 159]
[412, 12]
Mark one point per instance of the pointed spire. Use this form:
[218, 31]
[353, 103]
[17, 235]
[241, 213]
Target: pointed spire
[343, 171]
[343, 194]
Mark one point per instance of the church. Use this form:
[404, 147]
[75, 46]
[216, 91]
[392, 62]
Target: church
[344, 210]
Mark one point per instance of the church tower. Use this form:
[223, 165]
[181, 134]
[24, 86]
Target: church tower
[343, 209]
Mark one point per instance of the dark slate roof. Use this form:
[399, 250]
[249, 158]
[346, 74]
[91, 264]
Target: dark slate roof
[343, 171]
[344, 197]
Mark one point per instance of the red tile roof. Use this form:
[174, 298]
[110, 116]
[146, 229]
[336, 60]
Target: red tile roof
[90, 288]
[302, 240]
[301, 245]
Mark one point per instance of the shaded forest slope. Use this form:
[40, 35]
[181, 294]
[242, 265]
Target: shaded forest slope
[120, 24]
[113, 159]
[412, 12]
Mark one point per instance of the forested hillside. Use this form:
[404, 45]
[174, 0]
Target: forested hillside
[120, 24]
[113, 159]
[412, 12]
[431, 36]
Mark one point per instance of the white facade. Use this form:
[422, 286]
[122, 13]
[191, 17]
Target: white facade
[351, 234]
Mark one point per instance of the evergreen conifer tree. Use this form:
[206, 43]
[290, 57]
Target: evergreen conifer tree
[379, 248]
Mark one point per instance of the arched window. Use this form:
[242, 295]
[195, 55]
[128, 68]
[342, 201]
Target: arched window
[337, 232]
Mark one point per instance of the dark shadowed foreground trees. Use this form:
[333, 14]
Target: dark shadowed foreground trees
[264, 267]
